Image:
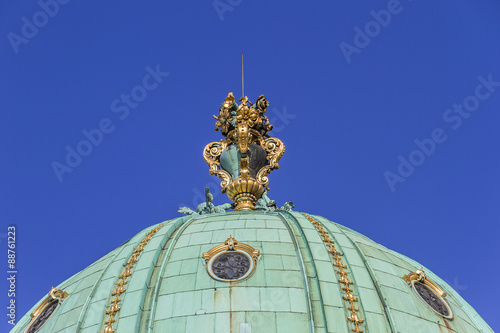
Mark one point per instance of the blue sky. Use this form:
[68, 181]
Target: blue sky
[389, 112]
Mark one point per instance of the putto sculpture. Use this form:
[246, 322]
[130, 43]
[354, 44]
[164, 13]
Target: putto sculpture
[247, 154]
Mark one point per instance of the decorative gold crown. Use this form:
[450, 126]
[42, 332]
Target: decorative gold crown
[247, 154]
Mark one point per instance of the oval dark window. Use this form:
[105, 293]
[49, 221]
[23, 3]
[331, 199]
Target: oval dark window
[43, 316]
[431, 298]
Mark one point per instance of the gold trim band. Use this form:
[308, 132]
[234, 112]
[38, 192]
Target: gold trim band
[114, 300]
[343, 275]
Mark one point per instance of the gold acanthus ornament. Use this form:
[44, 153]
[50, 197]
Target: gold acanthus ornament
[243, 125]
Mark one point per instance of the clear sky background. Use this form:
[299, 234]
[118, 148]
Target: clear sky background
[349, 106]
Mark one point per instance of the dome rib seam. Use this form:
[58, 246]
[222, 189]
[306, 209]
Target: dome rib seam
[179, 226]
[348, 295]
[281, 214]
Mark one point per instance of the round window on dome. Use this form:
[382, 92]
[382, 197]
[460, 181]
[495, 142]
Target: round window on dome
[429, 296]
[231, 261]
[231, 266]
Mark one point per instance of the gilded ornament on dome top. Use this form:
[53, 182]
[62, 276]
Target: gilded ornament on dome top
[244, 171]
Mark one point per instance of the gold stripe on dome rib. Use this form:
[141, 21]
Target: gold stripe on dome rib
[114, 300]
[343, 279]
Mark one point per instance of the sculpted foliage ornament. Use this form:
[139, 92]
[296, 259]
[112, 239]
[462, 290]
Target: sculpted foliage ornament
[247, 154]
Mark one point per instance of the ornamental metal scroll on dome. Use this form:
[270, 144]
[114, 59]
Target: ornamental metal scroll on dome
[429, 292]
[247, 154]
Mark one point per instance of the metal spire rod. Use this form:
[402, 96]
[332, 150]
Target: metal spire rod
[242, 78]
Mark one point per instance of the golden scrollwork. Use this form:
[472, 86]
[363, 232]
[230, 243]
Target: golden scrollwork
[343, 279]
[123, 278]
[419, 275]
[54, 295]
[211, 155]
[275, 150]
[231, 244]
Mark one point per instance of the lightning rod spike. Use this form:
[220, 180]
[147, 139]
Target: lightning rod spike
[242, 78]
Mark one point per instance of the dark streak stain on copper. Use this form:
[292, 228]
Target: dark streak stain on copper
[230, 312]
[448, 326]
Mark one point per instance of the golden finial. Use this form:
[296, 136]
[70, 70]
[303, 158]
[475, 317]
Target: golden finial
[245, 128]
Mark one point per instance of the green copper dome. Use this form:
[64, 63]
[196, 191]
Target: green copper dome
[247, 271]
[307, 274]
